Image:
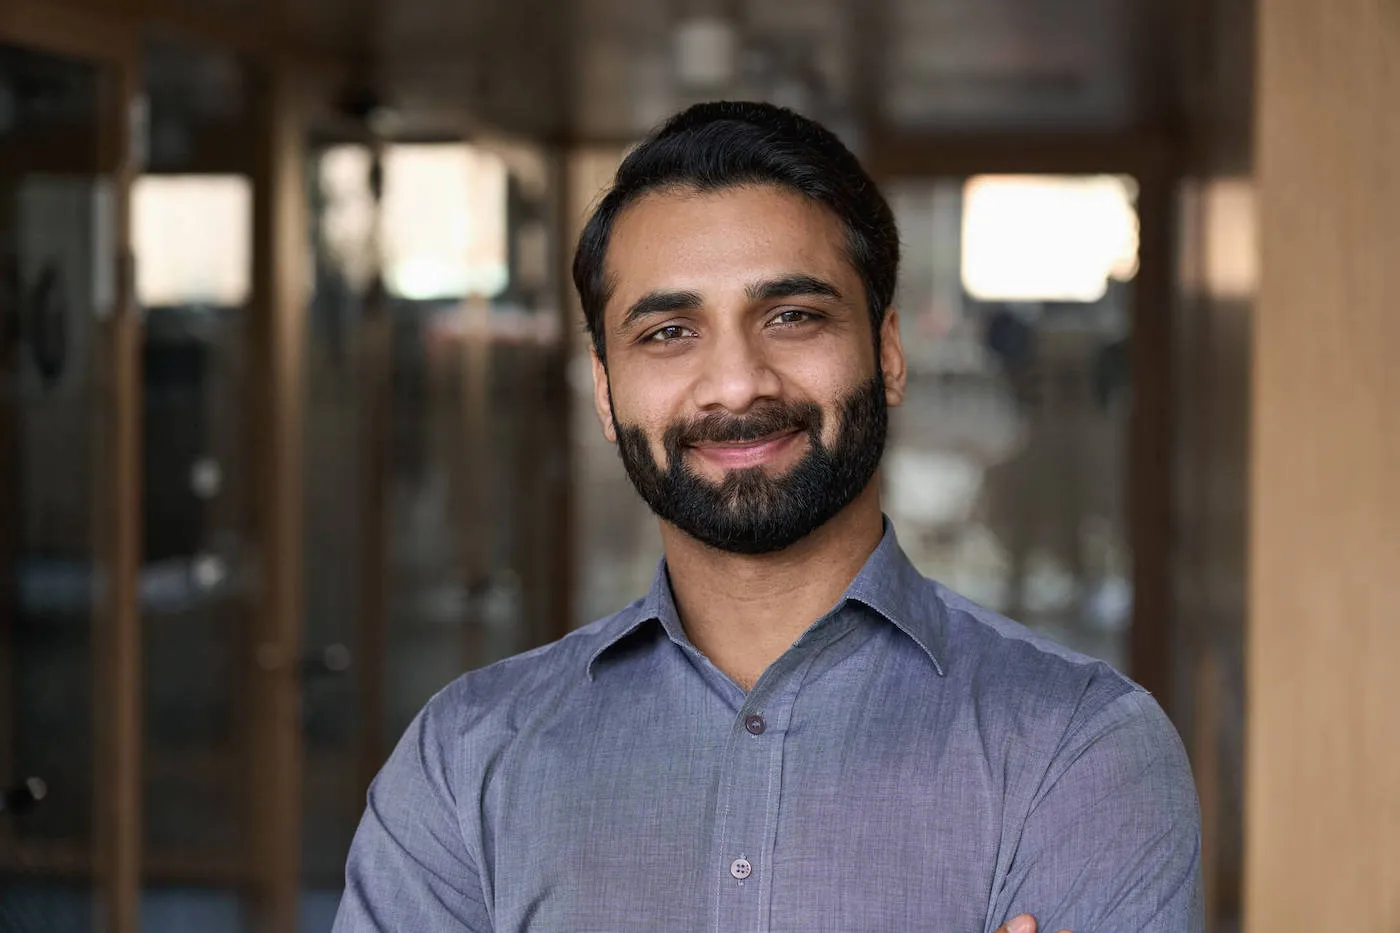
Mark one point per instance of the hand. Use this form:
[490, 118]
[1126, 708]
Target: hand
[1024, 923]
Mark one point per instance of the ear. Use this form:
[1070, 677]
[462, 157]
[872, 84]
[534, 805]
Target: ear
[602, 398]
[892, 359]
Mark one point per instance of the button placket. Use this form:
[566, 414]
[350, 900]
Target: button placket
[746, 830]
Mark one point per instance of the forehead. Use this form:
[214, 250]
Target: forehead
[713, 240]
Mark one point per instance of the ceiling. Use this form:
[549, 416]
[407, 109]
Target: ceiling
[607, 69]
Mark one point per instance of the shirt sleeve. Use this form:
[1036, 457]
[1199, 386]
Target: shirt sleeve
[409, 867]
[1112, 840]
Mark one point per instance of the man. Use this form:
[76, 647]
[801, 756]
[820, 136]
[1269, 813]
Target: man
[793, 730]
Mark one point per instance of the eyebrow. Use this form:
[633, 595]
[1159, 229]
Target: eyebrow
[654, 303]
[787, 286]
[792, 286]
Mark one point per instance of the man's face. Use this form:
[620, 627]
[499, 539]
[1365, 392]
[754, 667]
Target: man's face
[742, 384]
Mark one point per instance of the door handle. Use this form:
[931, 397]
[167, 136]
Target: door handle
[24, 796]
[331, 661]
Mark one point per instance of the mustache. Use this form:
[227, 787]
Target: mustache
[725, 428]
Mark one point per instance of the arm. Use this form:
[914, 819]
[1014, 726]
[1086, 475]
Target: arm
[1112, 840]
[409, 868]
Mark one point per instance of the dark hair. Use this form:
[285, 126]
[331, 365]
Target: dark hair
[712, 146]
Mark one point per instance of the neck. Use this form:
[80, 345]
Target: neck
[744, 610]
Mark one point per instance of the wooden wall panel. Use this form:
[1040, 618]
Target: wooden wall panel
[1323, 744]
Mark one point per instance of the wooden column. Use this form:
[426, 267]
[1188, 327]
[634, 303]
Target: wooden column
[1150, 640]
[1323, 740]
[563, 503]
[278, 328]
[118, 615]
[377, 436]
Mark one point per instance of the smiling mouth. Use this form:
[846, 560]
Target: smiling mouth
[750, 453]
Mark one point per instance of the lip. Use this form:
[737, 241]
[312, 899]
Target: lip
[745, 454]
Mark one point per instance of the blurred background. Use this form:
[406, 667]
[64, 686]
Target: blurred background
[296, 424]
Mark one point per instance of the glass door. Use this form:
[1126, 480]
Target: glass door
[345, 427]
[192, 231]
[434, 453]
[1007, 469]
[59, 290]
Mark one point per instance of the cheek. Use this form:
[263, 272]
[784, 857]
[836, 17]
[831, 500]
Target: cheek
[830, 385]
[828, 366]
[636, 410]
[646, 411]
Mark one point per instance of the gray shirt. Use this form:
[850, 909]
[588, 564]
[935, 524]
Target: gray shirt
[913, 762]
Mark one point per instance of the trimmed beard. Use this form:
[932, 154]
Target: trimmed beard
[750, 512]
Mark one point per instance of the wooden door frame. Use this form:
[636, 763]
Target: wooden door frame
[111, 45]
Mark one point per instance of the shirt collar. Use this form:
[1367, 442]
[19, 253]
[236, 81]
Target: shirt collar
[888, 583]
[657, 606]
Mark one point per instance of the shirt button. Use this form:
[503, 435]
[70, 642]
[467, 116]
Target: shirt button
[740, 868]
[755, 724]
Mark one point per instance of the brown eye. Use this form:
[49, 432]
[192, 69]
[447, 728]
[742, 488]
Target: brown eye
[792, 316]
[668, 333]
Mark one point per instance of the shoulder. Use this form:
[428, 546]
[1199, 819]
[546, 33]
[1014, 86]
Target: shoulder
[1068, 726]
[1059, 696]
[987, 641]
[501, 696]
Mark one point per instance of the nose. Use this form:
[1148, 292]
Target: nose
[735, 374]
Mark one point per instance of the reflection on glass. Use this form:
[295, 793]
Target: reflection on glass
[55, 284]
[1006, 469]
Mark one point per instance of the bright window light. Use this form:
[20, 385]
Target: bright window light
[1231, 238]
[444, 221]
[349, 215]
[193, 237]
[1047, 238]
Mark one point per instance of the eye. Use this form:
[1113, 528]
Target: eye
[667, 334]
[789, 317]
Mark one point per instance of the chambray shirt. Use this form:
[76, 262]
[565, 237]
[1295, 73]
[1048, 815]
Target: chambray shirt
[913, 763]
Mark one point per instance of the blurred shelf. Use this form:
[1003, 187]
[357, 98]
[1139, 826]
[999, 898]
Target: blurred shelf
[74, 861]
